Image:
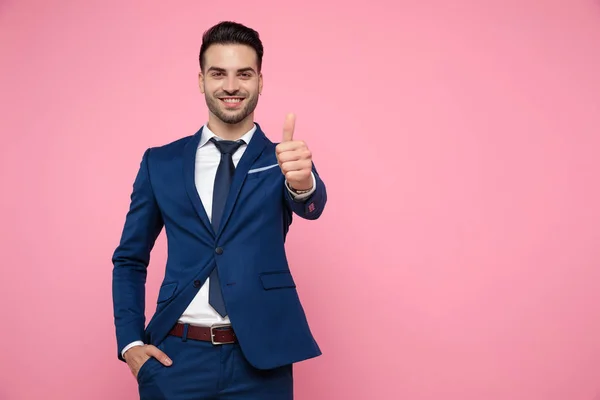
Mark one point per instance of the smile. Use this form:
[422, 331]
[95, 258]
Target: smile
[231, 100]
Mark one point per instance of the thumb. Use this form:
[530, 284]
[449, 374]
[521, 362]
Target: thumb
[159, 355]
[288, 127]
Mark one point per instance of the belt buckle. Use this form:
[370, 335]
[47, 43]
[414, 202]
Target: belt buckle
[212, 334]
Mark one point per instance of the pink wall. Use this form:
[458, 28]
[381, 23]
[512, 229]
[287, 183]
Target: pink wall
[459, 255]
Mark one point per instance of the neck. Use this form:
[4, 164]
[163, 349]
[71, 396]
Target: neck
[230, 131]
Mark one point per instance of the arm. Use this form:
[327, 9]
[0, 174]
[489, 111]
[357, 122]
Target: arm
[308, 205]
[143, 224]
[295, 161]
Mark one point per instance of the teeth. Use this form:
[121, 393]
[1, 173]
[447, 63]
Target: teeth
[232, 100]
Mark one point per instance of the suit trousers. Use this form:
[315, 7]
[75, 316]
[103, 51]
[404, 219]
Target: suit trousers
[203, 371]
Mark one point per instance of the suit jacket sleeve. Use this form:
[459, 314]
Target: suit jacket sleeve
[311, 207]
[143, 224]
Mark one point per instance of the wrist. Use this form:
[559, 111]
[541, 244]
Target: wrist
[127, 353]
[299, 188]
[299, 191]
[130, 346]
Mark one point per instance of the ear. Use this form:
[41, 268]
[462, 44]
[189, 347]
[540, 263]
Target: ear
[201, 82]
[260, 83]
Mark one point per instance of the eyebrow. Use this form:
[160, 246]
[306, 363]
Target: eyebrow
[239, 70]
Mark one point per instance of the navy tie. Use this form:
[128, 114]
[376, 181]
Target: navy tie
[221, 190]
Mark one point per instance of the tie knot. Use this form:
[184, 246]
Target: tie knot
[227, 146]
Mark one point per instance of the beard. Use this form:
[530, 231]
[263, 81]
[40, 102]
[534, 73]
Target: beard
[216, 107]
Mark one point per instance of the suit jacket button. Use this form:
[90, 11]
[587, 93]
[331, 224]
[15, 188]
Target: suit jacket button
[219, 250]
[197, 283]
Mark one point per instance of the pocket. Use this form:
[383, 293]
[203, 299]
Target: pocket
[141, 375]
[277, 280]
[166, 292]
[261, 171]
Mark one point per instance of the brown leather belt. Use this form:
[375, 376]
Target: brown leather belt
[217, 334]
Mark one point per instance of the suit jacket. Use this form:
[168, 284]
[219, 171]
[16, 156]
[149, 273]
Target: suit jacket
[248, 250]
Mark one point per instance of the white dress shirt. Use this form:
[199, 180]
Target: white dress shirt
[199, 312]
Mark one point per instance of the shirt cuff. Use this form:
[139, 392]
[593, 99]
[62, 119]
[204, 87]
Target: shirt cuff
[130, 345]
[302, 196]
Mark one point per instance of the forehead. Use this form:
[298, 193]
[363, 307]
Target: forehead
[230, 56]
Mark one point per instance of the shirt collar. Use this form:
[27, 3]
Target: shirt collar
[207, 134]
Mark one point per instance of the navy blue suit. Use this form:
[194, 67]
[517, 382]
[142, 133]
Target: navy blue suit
[248, 250]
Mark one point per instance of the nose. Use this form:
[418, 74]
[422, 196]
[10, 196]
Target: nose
[231, 84]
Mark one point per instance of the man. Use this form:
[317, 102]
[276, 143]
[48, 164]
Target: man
[228, 321]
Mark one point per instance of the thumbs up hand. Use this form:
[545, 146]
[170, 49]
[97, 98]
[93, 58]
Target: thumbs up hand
[294, 158]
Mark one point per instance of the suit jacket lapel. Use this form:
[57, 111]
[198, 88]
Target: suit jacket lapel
[253, 151]
[189, 166]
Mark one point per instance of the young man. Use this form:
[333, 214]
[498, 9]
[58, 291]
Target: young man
[228, 322]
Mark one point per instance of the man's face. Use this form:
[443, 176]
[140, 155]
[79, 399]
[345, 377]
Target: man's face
[230, 81]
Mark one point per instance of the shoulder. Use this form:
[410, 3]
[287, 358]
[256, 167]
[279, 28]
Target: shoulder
[175, 145]
[169, 150]
[259, 134]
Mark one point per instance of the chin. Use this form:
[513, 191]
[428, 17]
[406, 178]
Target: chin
[232, 119]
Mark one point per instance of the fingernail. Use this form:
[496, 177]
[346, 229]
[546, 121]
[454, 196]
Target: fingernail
[168, 361]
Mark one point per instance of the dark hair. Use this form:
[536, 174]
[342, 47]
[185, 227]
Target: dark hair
[227, 32]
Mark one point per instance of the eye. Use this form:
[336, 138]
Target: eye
[217, 74]
[246, 75]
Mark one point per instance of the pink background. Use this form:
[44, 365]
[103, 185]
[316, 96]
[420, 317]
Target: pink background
[459, 254]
